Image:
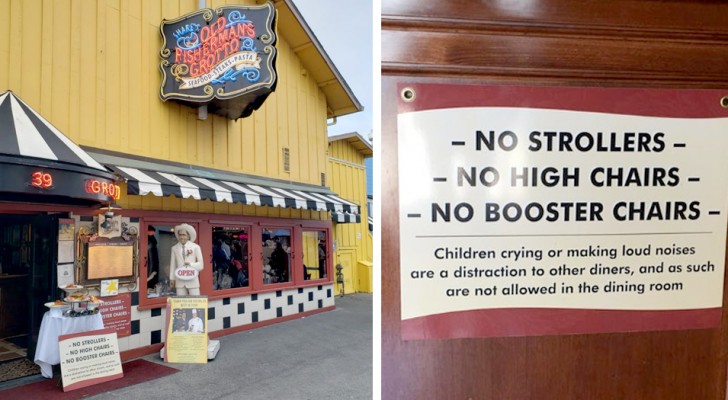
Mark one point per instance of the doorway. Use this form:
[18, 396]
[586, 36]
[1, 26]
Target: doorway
[27, 258]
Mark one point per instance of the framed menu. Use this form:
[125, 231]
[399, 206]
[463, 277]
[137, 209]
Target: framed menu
[110, 260]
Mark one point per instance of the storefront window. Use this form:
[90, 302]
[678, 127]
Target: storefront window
[314, 255]
[230, 257]
[160, 239]
[276, 255]
[233, 265]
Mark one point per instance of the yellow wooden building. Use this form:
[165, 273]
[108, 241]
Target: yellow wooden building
[86, 74]
[353, 241]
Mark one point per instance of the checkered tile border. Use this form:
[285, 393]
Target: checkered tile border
[147, 326]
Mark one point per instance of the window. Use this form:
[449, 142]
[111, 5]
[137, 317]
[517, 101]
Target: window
[230, 256]
[160, 239]
[241, 256]
[314, 255]
[276, 255]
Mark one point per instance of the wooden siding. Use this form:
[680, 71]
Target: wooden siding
[346, 176]
[92, 70]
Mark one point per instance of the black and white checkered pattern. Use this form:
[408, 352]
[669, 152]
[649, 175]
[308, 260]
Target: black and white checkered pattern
[148, 326]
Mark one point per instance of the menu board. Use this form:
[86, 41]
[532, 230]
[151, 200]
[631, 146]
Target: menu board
[109, 260]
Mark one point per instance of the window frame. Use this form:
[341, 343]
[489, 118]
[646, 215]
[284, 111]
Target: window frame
[237, 290]
[144, 223]
[327, 235]
[291, 264]
[204, 223]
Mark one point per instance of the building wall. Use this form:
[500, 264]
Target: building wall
[147, 325]
[353, 241]
[92, 69]
[228, 311]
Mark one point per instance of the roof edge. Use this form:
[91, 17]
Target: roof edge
[352, 135]
[314, 40]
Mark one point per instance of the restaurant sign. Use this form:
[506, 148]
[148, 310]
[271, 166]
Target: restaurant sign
[73, 182]
[224, 58]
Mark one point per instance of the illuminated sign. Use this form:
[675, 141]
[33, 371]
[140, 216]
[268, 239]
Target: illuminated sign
[109, 189]
[51, 184]
[42, 180]
[224, 58]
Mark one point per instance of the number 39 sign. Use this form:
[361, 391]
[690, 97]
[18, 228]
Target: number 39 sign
[41, 180]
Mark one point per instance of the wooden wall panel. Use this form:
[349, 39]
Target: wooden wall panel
[559, 41]
[292, 110]
[588, 43]
[92, 69]
[586, 59]
[346, 175]
[695, 20]
[4, 44]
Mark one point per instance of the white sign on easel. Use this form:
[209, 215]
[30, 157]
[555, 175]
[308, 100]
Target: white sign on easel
[89, 358]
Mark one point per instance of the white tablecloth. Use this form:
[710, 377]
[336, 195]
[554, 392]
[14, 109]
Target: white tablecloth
[47, 354]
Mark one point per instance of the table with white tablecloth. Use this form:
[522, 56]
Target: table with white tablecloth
[46, 352]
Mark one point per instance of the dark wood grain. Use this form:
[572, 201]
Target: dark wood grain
[545, 57]
[704, 20]
[676, 44]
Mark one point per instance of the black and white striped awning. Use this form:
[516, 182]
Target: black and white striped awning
[39, 161]
[25, 133]
[143, 181]
[343, 217]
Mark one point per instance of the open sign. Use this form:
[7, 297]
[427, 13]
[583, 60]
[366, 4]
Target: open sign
[185, 273]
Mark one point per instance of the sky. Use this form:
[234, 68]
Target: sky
[344, 29]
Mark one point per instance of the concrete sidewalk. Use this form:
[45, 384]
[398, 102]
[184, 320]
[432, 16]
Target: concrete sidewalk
[324, 356]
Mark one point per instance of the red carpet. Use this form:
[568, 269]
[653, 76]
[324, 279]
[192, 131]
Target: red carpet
[136, 371]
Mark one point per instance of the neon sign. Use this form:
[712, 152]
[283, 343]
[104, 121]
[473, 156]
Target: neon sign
[42, 180]
[224, 57]
[204, 48]
[94, 186]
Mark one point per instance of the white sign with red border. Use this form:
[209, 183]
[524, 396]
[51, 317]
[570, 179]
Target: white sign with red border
[89, 358]
[185, 273]
[550, 210]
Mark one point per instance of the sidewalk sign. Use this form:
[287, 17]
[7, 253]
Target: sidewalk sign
[89, 358]
[186, 339]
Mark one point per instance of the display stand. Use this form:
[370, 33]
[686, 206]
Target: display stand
[213, 347]
[47, 354]
[83, 305]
